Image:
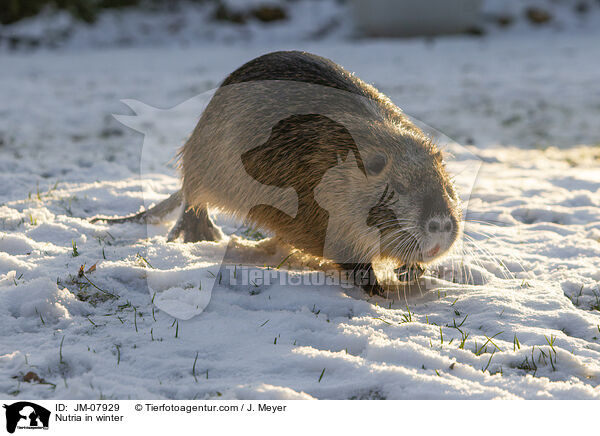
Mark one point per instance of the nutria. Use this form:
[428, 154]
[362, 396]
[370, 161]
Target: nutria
[295, 144]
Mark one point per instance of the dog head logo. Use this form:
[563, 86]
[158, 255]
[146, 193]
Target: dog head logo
[26, 415]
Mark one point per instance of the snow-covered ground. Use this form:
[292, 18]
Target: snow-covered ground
[529, 326]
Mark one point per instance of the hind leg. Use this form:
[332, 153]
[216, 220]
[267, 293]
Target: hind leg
[195, 225]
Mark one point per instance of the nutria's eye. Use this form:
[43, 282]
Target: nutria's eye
[376, 164]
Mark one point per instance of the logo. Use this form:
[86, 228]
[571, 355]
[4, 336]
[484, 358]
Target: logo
[26, 415]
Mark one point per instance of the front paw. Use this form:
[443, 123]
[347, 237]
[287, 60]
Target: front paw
[409, 274]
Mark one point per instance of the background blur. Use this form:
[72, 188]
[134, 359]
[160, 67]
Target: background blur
[56, 23]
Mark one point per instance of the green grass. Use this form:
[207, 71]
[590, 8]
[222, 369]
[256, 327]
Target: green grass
[321, 376]
[75, 251]
[60, 353]
[194, 368]
[253, 234]
[516, 344]
[143, 261]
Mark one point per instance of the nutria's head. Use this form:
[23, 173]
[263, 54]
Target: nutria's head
[400, 203]
[417, 211]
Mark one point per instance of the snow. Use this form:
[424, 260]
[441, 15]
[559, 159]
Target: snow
[181, 24]
[524, 102]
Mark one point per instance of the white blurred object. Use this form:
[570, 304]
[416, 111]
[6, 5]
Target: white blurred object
[410, 17]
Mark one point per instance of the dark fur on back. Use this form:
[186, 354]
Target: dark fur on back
[306, 67]
[297, 66]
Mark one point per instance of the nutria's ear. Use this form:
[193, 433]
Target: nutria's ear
[307, 144]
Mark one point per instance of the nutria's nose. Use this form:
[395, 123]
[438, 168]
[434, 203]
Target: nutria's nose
[437, 224]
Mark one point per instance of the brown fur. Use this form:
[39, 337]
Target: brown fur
[289, 141]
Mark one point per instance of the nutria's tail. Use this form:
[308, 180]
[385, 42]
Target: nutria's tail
[155, 213]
